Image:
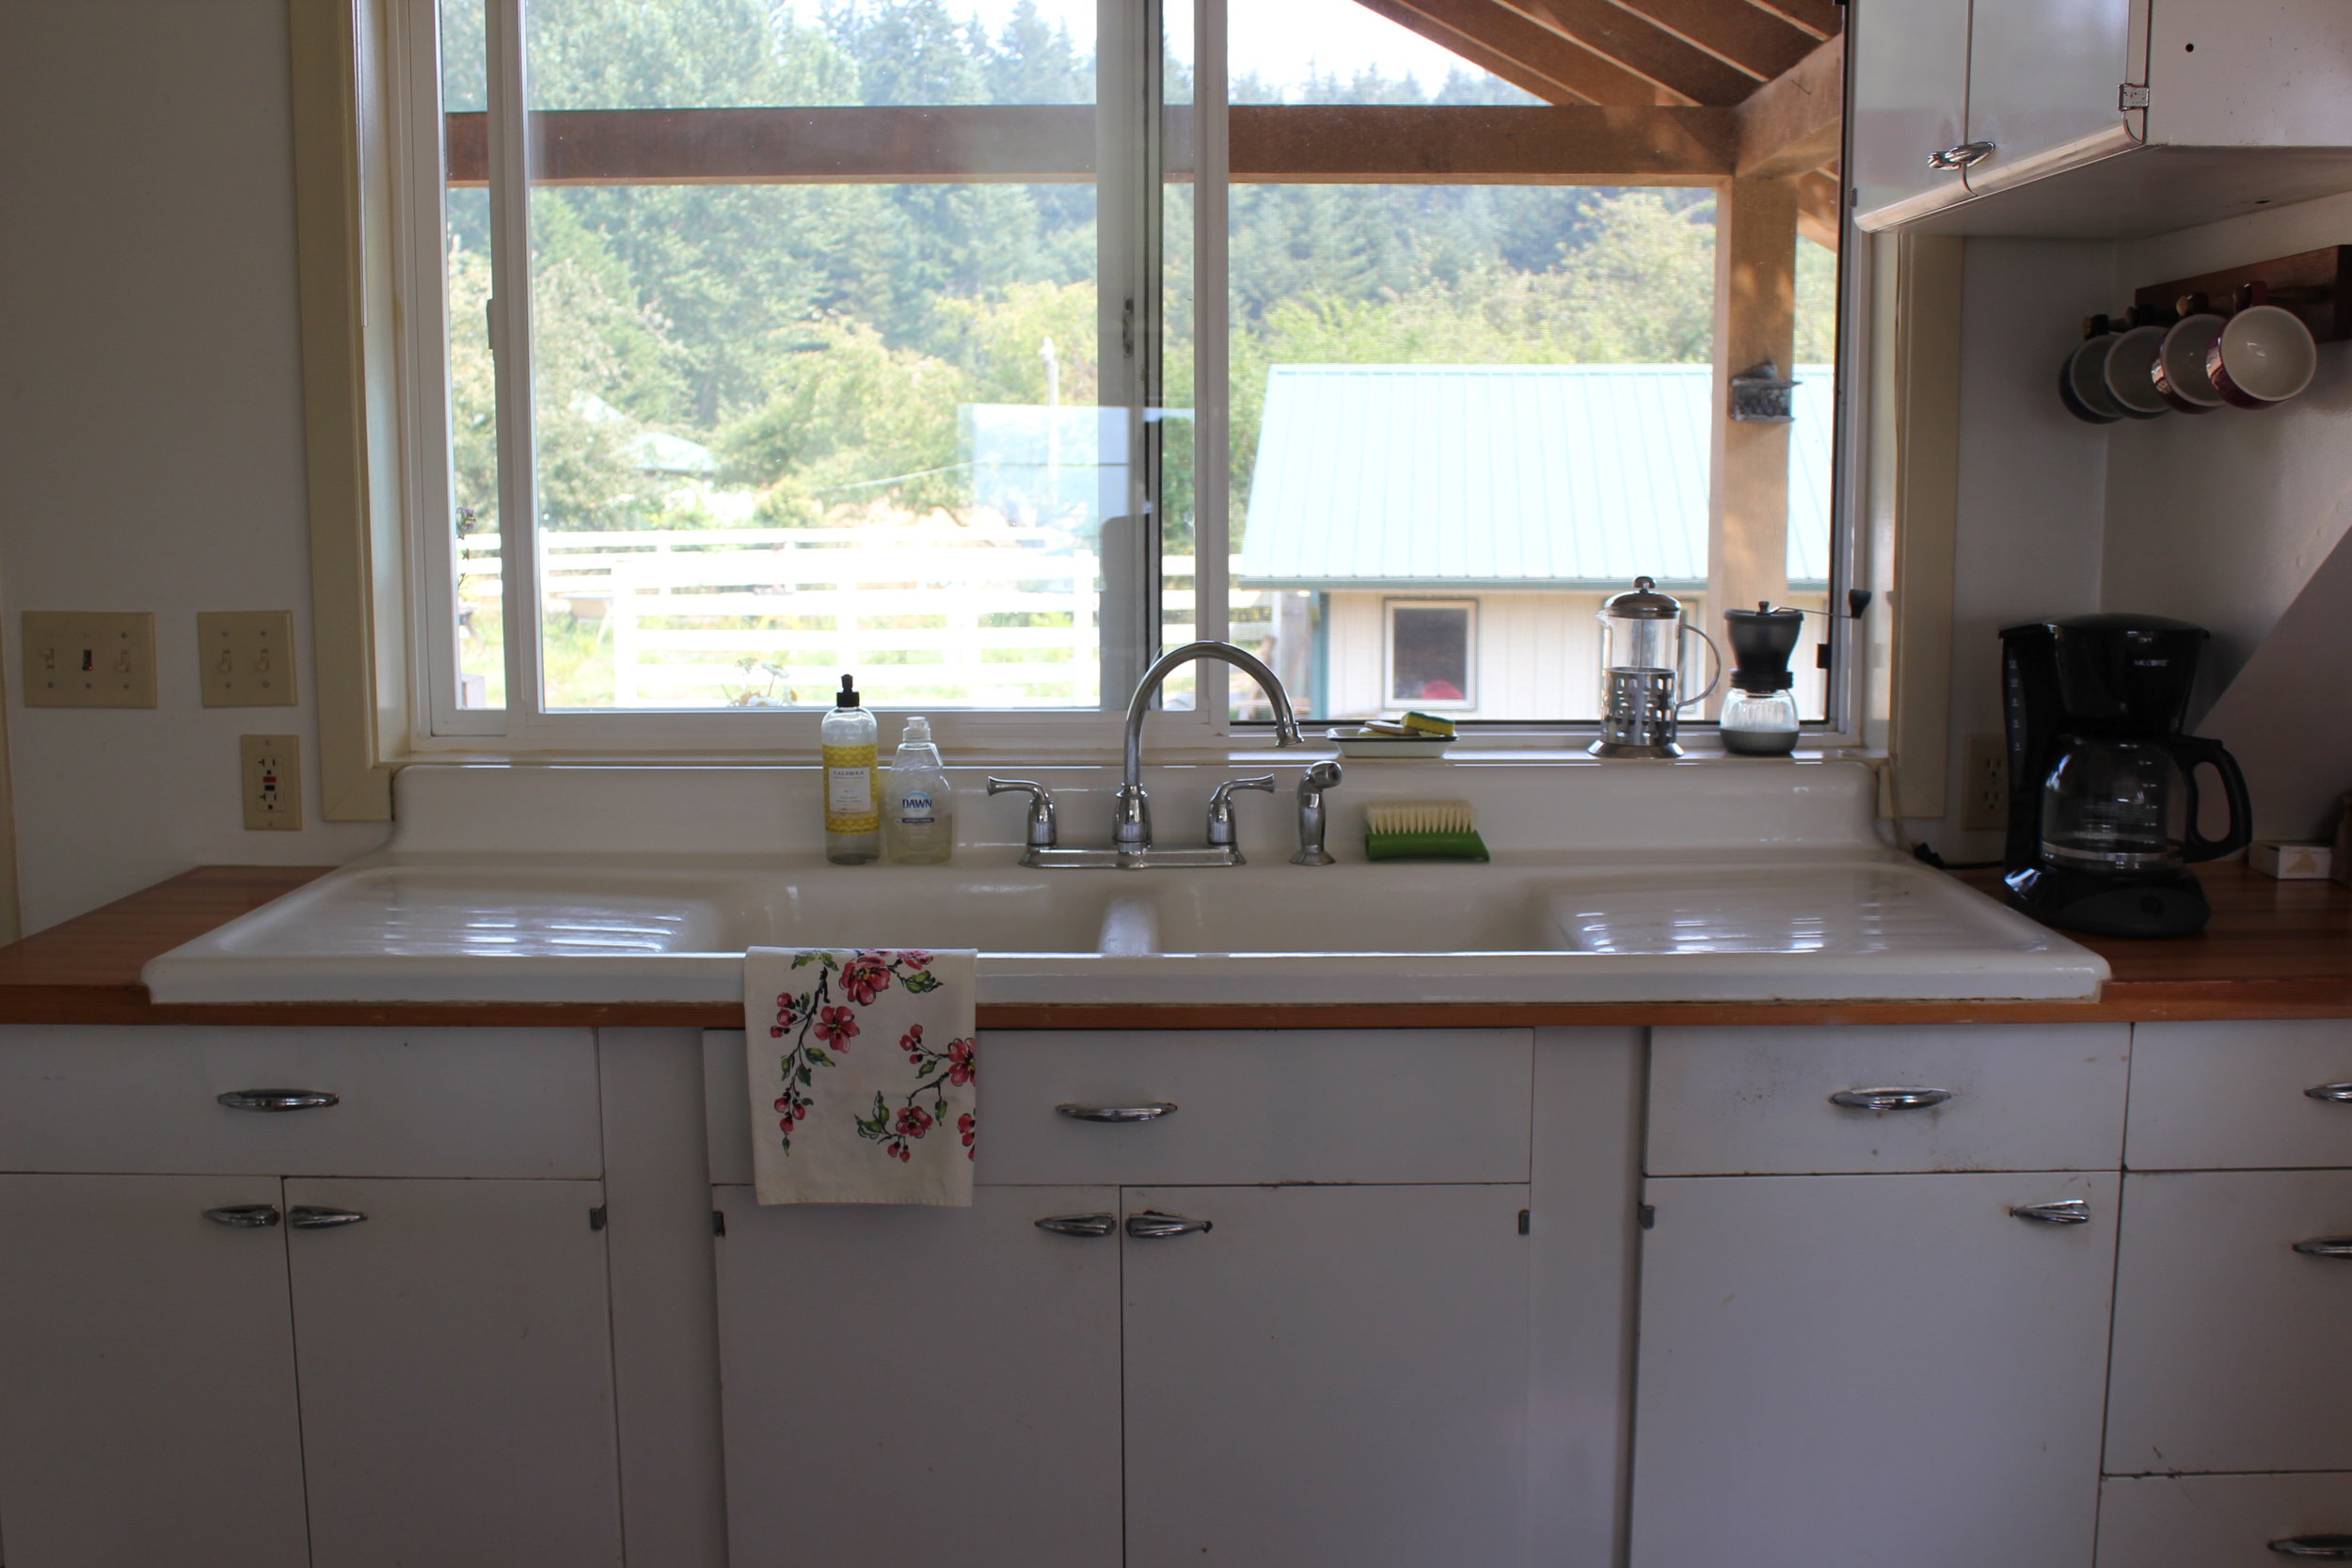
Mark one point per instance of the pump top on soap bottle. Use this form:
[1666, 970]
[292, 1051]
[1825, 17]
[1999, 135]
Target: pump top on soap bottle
[851, 740]
[919, 819]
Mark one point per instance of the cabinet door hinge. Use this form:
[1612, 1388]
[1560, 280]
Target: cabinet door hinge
[596, 1217]
[2131, 95]
[1522, 1222]
[718, 1222]
[1648, 1215]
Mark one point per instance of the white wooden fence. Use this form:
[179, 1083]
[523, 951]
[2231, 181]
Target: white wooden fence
[942, 616]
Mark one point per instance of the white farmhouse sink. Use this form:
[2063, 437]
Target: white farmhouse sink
[1812, 909]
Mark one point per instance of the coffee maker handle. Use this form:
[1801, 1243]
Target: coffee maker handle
[1690, 630]
[2194, 753]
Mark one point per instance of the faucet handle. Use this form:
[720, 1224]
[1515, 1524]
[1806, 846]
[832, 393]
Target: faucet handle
[1221, 808]
[1042, 827]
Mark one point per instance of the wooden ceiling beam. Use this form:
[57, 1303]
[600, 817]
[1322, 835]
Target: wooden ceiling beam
[1054, 144]
[1796, 121]
[1525, 54]
[1820, 208]
[1823, 19]
[1641, 45]
[1762, 44]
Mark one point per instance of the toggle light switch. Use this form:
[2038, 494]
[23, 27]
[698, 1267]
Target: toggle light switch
[244, 658]
[96, 659]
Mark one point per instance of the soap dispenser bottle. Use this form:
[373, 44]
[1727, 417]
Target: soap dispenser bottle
[917, 817]
[852, 819]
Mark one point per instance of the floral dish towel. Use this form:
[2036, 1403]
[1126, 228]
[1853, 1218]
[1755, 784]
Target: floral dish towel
[862, 1075]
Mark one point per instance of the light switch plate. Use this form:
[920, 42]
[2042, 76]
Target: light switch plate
[90, 659]
[244, 658]
[272, 772]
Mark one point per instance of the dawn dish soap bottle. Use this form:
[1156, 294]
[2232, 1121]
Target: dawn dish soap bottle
[918, 814]
[852, 819]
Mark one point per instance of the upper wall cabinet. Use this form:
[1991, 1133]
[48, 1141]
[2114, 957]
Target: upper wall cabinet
[2096, 118]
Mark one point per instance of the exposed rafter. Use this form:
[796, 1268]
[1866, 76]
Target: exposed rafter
[1794, 122]
[1823, 19]
[1820, 208]
[1525, 54]
[1640, 45]
[1760, 43]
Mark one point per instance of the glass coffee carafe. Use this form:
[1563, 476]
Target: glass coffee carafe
[1641, 673]
[2126, 805]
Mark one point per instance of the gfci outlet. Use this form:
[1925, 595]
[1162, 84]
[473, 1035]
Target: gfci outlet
[273, 781]
[90, 659]
[244, 658]
[1984, 785]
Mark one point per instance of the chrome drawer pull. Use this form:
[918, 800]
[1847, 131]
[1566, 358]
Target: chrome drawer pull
[244, 1216]
[1966, 155]
[278, 1099]
[1150, 1225]
[2335, 1094]
[2066, 1211]
[2325, 1247]
[1152, 1112]
[1889, 1100]
[2314, 1545]
[305, 1216]
[1078, 1225]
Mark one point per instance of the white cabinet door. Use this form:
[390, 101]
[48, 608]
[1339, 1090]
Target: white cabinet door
[454, 1351]
[2228, 1343]
[910, 1387]
[2044, 79]
[1870, 1370]
[1909, 65]
[147, 1383]
[1330, 1375]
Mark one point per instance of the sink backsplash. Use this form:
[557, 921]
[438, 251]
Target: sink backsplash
[1716, 805]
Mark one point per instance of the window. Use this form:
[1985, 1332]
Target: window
[1433, 646]
[983, 347]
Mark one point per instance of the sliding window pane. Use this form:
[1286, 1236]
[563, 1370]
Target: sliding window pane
[476, 611]
[815, 357]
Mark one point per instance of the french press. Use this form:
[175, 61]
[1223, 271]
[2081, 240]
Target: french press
[1641, 664]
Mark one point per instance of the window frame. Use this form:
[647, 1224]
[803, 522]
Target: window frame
[418, 689]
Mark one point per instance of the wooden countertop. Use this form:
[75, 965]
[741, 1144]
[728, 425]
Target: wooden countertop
[2274, 950]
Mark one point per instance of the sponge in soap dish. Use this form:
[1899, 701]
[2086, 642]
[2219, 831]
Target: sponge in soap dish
[1422, 830]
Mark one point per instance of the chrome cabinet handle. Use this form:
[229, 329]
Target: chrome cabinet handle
[307, 1216]
[1152, 1112]
[2325, 1247]
[1889, 1100]
[278, 1099]
[2335, 1094]
[1078, 1225]
[1150, 1225]
[2314, 1545]
[244, 1216]
[1966, 155]
[2066, 1211]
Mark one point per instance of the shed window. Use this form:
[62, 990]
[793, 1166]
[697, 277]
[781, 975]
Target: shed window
[1431, 653]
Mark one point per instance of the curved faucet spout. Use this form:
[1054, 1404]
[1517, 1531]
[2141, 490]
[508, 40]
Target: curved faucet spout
[1132, 826]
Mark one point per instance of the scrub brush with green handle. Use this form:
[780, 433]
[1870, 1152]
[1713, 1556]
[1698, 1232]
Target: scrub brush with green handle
[1422, 830]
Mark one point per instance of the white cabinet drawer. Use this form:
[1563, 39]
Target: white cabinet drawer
[2228, 1343]
[1727, 1101]
[450, 1103]
[2219, 1521]
[2237, 1096]
[1388, 1105]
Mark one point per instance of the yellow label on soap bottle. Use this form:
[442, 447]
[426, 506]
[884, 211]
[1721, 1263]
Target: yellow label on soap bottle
[850, 804]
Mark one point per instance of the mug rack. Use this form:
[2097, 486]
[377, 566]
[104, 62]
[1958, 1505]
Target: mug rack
[2316, 285]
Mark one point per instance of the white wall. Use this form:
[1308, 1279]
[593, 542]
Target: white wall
[2032, 506]
[150, 430]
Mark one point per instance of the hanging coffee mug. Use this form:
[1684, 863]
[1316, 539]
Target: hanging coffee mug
[2130, 374]
[2263, 355]
[2082, 379]
[2180, 373]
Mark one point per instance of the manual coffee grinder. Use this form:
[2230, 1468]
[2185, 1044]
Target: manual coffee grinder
[1641, 673]
[1759, 718]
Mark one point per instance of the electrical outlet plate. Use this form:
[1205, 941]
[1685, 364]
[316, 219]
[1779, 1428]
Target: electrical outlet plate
[90, 659]
[244, 658]
[272, 774]
[1984, 785]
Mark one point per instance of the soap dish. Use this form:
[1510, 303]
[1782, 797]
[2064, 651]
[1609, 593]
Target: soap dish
[1363, 743]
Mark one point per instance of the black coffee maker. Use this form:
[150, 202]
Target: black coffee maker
[2102, 783]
